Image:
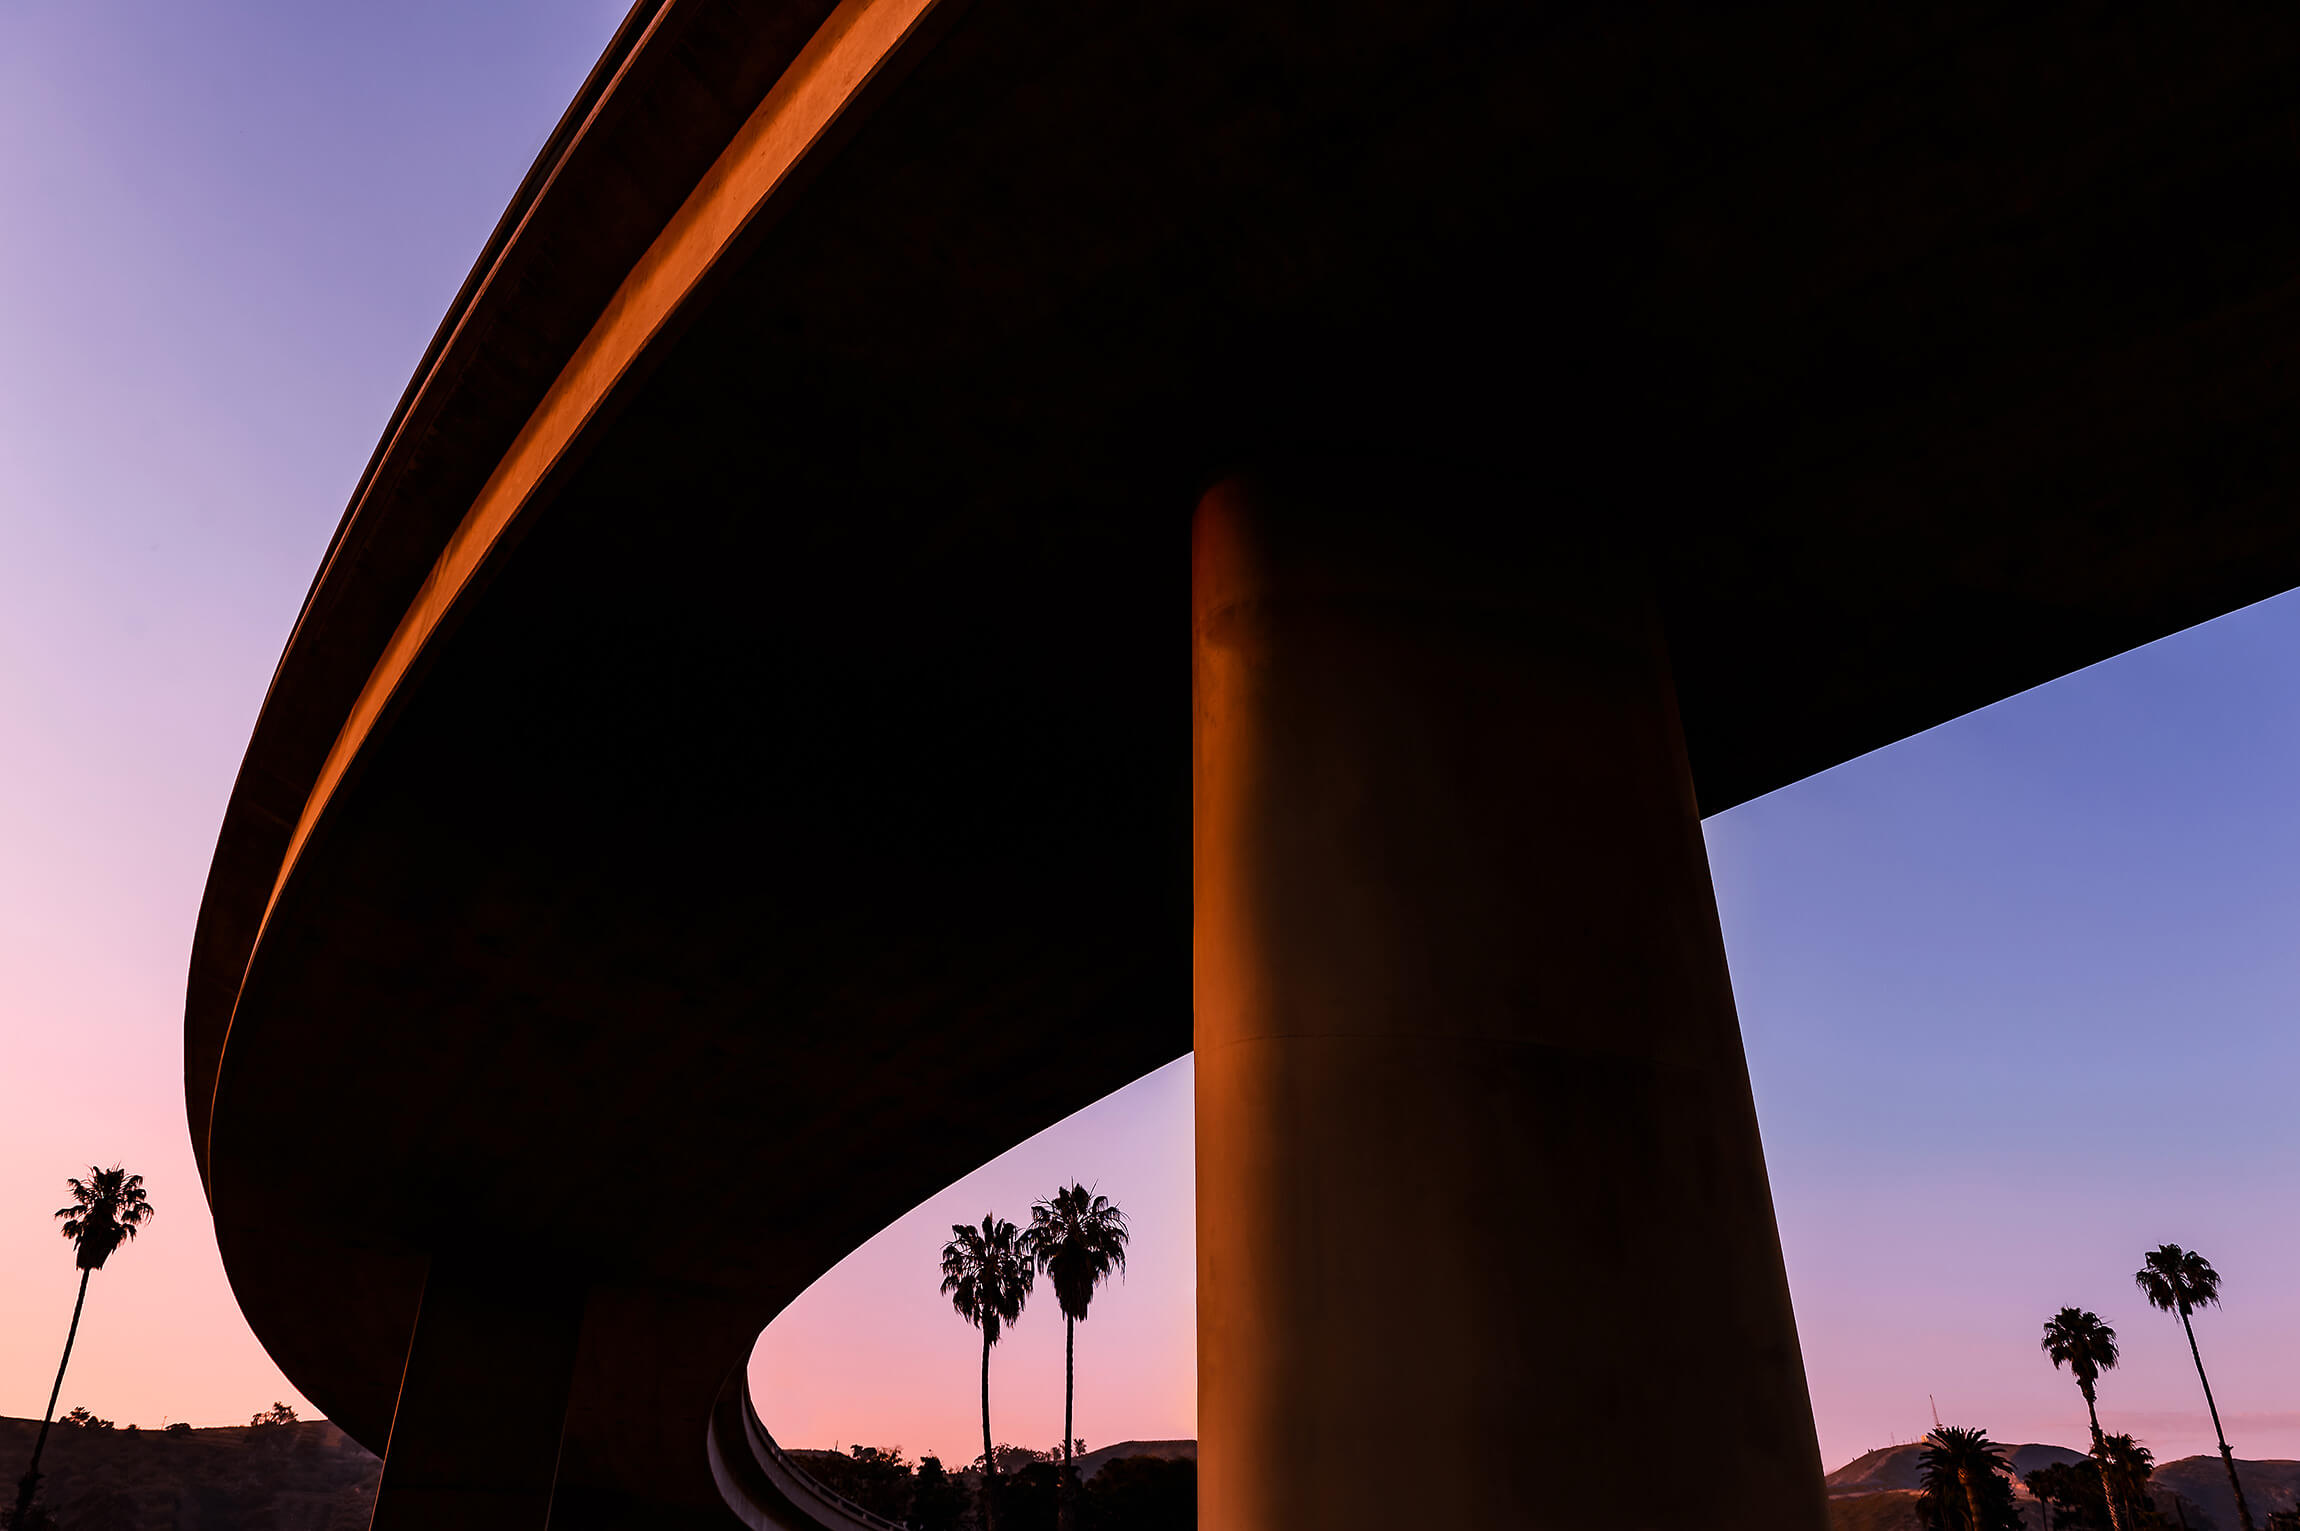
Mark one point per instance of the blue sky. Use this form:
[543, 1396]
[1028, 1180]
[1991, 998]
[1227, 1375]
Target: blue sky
[227, 232]
[2017, 998]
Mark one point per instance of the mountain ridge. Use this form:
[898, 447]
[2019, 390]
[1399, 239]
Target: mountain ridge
[309, 1476]
[1877, 1490]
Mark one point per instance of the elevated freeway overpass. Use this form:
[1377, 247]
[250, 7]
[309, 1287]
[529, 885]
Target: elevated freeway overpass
[735, 770]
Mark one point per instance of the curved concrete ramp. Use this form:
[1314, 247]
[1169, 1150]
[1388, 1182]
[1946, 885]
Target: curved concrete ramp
[763, 1486]
[741, 720]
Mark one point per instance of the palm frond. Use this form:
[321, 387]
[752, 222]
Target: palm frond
[2177, 1280]
[2078, 1339]
[108, 1208]
[987, 1273]
[1079, 1239]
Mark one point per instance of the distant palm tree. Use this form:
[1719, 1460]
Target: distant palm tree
[1966, 1464]
[987, 1274]
[1078, 1239]
[107, 1208]
[2078, 1340]
[2130, 1466]
[2181, 1281]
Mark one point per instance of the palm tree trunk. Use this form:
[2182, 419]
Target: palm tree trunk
[2100, 1460]
[2227, 1457]
[1972, 1498]
[30, 1483]
[1064, 1516]
[989, 1462]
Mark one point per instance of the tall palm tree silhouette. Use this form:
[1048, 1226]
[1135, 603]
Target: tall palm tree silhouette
[2078, 1340]
[107, 1208]
[2181, 1281]
[987, 1274]
[1078, 1239]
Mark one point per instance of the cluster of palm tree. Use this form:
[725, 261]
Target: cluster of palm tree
[2075, 1499]
[106, 1211]
[1078, 1240]
[2173, 1280]
[1967, 1480]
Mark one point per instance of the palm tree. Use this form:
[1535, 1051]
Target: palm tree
[2130, 1466]
[107, 1208]
[1966, 1464]
[987, 1274]
[1078, 1239]
[2078, 1340]
[2181, 1281]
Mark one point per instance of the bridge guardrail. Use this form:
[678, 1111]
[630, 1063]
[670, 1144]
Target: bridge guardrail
[792, 1478]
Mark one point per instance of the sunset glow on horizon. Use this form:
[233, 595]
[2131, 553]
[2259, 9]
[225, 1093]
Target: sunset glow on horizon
[2016, 991]
[872, 1353]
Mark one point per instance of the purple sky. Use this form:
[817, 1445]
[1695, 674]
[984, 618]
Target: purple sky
[2016, 991]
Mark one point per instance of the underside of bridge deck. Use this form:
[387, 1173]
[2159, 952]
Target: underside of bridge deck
[788, 781]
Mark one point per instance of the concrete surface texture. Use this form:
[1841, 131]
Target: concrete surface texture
[737, 731]
[1477, 1157]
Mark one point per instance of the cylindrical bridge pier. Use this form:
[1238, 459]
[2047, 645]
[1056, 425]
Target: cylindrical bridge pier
[1479, 1180]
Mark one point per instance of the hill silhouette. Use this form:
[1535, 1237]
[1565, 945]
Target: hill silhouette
[1899, 1467]
[2202, 1483]
[1876, 1491]
[313, 1477]
[301, 1477]
[1165, 1451]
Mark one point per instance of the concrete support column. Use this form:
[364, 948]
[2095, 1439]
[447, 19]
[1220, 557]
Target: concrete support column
[1484, 1235]
[482, 1404]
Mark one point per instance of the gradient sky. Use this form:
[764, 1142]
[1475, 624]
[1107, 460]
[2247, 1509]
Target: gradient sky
[2016, 991]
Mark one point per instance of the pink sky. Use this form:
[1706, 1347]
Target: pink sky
[2017, 992]
[873, 1353]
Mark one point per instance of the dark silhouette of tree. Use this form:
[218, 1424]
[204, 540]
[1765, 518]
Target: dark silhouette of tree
[107, 1210]
[277, 1414]
[82, 1418]
[2181, 1281]
[1967, 1483]
[876, 1477]
[2078, 1340]
[1013, 1459]
[1078, 1240]
[935, 1501]
[1030, 1499]
[2076, 1495]
[987, 1274]
[882, 1480]
[2130, 1466]
[2071, 1497]
[1144, 1494]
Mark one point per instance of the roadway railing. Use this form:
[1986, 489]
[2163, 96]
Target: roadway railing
[796, 1499]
